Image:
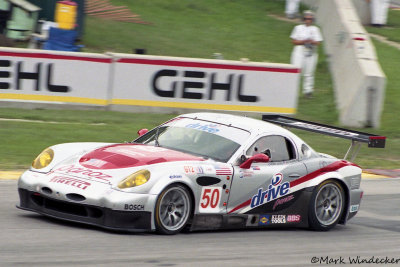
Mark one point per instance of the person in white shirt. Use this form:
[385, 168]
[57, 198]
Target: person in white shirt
[292, 8]
[306, 39]
[379, 12]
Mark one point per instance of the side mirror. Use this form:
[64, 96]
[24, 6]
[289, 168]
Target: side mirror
[255, 158]
[142, 132]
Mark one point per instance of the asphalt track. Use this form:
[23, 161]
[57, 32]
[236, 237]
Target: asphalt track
[28, 239]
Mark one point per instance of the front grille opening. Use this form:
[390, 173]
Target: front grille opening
[66, 207]
[38, 199]
[47, 190]
[75, 197]
[94, 212]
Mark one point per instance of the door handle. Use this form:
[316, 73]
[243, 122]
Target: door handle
[294, 176]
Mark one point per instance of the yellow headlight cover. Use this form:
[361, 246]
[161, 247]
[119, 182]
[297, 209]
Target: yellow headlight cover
[44, 159]
[135, 179]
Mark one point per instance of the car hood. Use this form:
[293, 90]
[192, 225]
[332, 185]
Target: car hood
[131, 155]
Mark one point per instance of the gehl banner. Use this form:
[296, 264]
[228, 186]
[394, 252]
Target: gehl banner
[151, 81]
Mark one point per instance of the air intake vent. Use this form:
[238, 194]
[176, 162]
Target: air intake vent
[47, 190]
[76, 197]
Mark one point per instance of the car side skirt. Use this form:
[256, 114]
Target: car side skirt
[293, 214]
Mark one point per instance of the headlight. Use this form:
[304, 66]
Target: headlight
[44, 159]
[135, 179]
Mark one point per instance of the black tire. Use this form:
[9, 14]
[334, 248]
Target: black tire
[326, 205]
[173, 209]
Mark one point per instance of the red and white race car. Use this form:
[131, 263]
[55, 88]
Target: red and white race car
[199, 171]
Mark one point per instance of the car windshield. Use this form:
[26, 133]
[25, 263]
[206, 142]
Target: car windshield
[197, 137]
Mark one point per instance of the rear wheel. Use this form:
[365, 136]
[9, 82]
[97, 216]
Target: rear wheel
[173, 210]
[326, 206]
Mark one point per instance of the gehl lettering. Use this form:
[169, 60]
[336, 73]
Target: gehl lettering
[41, 70]
[205, 86]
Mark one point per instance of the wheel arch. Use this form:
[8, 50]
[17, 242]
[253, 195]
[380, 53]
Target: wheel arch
[313, 221]
[346, 190]
[190, 190]
[192, 196]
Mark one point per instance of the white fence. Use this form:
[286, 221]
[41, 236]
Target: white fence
[37, 75]
[147, 83]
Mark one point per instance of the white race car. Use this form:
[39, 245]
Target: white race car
[199, 171]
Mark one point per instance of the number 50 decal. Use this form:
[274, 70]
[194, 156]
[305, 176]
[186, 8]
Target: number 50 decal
[210, 198]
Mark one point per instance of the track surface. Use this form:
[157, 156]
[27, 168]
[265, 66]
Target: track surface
[28, 239]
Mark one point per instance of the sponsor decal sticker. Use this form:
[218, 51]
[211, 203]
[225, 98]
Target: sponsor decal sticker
[354, 208]
[210, 199]
[285, 188]
[256, 168]
[282, 201]
[189, 169]
[278, 219]
[199, 170]
[71, 169]
[175, 176]
[210, 128]
[223, 170]
[133, 207]
[275, 190]
[293, 218]
[243, 174]
[264, 220]
[70, 181]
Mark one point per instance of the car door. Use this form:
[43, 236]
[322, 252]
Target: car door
[252, 188]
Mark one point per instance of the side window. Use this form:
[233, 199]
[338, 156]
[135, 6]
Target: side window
[279, 147]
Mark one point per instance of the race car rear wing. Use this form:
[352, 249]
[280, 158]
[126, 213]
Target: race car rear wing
[356, 137]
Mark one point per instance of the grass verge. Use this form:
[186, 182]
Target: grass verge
[198, 29]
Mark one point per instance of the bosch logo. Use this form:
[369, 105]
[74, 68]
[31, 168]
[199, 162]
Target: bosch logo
[133, 207]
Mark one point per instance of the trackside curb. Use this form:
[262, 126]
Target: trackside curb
[10, 175]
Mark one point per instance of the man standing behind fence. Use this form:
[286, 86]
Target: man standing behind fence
[292, 8]
[379, 12]
[306, 39]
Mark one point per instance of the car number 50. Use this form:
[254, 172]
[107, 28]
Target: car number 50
[210, 198]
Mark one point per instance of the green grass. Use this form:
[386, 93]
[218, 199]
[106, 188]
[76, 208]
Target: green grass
[323, 110]
[198, 29]
[237, 29]
[22, 141]
[392, 28]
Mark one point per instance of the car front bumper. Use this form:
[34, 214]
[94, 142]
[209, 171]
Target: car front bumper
[98, 204]
[136, 221]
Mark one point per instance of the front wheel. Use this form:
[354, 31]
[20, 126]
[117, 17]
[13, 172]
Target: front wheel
[173, 210]
[326, 206]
